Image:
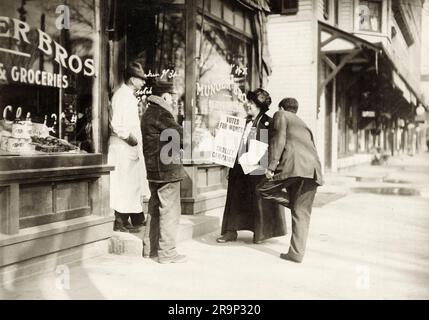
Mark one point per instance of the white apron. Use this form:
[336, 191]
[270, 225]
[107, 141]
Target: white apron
[128, 183]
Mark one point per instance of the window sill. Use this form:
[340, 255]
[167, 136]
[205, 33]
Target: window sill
[38, 175]
[371, 33]
[11, 163]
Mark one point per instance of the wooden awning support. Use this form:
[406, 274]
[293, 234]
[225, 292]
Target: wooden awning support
[337, 68]
[345, 46]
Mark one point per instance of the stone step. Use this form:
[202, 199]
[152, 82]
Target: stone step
[122, 243]
[53, 263]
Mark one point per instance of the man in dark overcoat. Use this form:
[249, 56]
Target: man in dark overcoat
[162, 137]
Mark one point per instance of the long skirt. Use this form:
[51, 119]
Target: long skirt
[246, 210]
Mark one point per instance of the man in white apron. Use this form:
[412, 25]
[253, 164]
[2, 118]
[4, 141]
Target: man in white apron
[128, 182]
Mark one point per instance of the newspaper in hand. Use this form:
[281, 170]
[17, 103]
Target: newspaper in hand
[249, 161]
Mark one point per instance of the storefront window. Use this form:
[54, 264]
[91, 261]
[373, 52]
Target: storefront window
[47, 76]
[156, 38]
[223, 78]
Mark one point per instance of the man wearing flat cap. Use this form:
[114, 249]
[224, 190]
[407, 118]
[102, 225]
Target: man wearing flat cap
[293, 164]
[128, 182]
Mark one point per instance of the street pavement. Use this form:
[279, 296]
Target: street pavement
[366, 242]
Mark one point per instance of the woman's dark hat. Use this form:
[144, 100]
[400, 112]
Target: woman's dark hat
[135, 69]
[260, 97]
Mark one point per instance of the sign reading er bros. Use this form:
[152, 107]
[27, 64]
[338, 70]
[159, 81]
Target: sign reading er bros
[21, 31]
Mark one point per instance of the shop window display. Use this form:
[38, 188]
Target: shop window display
[47, 76]
[223, 78]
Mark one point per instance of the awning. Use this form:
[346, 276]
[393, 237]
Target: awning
[335, 41]
[400, 84]
[415, 95]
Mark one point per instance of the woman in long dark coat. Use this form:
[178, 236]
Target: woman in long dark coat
[245, 209]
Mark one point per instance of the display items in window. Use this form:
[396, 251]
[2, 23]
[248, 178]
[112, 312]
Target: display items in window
[223, 79]
[47, 76]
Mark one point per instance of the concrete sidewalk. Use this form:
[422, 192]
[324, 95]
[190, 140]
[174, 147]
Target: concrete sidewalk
[362, 245]
[399, 172]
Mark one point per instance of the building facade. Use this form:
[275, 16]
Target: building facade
[54, 180]
[59, 67]
[354, 66]
[209, 52]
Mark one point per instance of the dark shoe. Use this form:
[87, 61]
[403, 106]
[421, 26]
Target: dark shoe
[137, 220]
[139, 225]
[286, 256]
[227, 237]
[120, 229]
[133, 229]
[180, 258]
